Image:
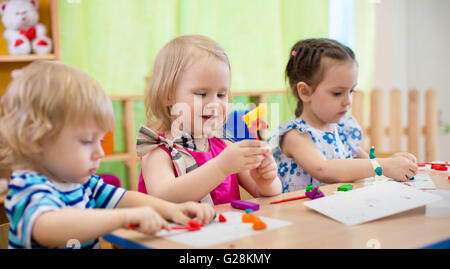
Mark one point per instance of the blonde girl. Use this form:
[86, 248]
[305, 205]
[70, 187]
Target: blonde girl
[187, 100]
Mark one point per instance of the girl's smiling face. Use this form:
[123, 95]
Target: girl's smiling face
[200, 103]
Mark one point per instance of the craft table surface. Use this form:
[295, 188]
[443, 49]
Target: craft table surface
[310, 229]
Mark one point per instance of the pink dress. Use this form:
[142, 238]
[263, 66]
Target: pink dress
[226, 191]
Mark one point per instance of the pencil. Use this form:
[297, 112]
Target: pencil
[287, 200]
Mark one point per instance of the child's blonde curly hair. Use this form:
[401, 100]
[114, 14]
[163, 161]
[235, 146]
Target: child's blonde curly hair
[38, 103]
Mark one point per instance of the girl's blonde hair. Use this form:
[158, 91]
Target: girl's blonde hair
[40, 101]
[168, 69]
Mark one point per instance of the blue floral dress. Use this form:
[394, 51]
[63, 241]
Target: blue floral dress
[343, 143]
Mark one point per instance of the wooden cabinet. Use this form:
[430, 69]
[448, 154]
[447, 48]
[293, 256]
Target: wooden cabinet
[48, 12]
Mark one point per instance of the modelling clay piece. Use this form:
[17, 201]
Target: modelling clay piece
[132, 226]
[345, 187]
[310, 188]
[249, 218]
[188, 228]
[247, 211]
[244, 205]
[314, 193]
[379, 171]
[222, 218]
[259, 225]
[372, 153]
[439, 167]
[193, 224]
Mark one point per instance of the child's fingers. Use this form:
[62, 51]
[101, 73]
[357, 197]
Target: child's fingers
[254, 160]
[146, 227]
[181, 218]
[209, 215]
[200, 214]
[204, 213]
[255, 151]
[413, 168]
[413, 158]
[267, 168]
[409, 175]
[269, 175]
[153, 224]
[402, 179]
[268, 159]
[408, 156]
[251, 143]
[165, 226]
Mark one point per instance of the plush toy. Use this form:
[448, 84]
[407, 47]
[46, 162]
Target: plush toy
[23, 31]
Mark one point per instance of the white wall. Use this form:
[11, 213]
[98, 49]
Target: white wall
[413, 51]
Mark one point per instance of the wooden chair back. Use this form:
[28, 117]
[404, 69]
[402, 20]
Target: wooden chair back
[381, 127]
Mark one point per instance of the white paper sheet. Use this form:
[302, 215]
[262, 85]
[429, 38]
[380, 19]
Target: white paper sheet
[440, 208]
[420, 181]
[217, 232]
[371, 202]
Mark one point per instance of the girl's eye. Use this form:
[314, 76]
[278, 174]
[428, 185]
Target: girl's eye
[200, 94]
[337, 93]
[221, 95]
[352, 91]
[86, 142]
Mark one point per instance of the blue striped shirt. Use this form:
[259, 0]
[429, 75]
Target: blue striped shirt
[31, 194]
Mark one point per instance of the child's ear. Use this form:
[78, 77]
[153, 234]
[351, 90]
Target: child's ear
[304, 91]
[36, 148]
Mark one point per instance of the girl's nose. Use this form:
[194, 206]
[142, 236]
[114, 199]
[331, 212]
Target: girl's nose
[347, 100]
[212, 106]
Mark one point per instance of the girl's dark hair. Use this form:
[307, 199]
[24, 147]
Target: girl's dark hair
[305, 63]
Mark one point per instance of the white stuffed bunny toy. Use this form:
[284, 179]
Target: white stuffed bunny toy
[23, 31]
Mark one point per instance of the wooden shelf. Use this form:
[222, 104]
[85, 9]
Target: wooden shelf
[26, 58]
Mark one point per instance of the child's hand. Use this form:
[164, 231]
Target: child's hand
[182, 213]
[407, 155]
[145, 219]
[266, 172]
[241, 156]
[399, 168]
